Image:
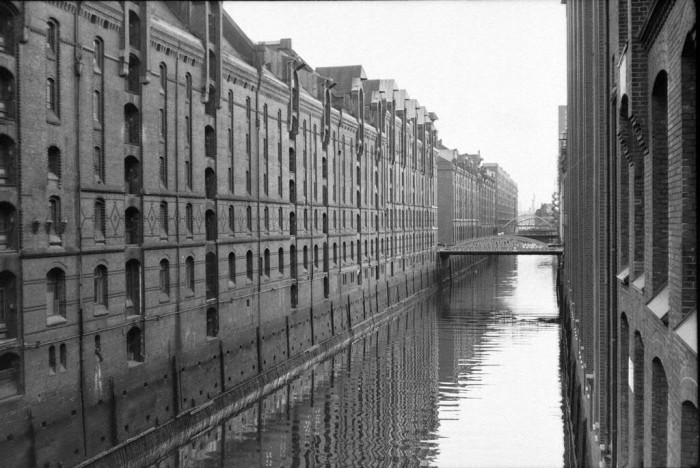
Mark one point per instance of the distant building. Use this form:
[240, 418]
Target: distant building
[470, 197]
[506, 191]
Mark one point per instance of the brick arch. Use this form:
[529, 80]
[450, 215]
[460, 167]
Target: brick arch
[659, 165]
[689, 388]
[659, 414]
[688, 241]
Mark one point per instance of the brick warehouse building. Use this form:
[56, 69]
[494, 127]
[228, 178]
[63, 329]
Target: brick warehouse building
[183, 210]
[465, 186]
[505, 194]
[628, 288]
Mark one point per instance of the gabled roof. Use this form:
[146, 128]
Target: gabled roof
[345, 76]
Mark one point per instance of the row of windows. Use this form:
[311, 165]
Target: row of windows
[56, 289]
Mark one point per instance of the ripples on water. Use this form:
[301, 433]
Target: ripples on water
[470, 377]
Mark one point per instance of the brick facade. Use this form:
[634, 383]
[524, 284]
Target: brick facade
[181, 210]
[628, 175]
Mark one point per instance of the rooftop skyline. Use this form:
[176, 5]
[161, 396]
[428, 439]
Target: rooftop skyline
[494, 72]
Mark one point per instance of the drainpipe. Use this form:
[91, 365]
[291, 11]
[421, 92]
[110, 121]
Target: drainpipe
[78, 64]
[260, 65]
[178, 319]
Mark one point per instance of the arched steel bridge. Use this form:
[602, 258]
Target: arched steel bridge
[532, 226]
[502, 245]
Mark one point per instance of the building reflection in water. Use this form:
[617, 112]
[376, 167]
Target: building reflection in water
[469, 376]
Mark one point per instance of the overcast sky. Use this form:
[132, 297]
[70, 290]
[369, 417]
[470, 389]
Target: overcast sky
[493, 71]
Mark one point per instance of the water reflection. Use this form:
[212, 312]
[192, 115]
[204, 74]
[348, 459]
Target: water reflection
[469, 377]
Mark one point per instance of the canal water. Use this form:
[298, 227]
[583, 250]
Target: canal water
[469, 376]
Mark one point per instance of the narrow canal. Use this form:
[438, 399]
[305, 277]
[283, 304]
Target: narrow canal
[469, 376]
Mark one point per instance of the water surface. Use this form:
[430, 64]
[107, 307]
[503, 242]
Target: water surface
[466, 377]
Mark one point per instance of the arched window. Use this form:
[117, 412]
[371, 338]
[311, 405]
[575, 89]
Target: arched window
[324, 168]
[133, 80]
[316, 256]
[55, 219]
[210, 183]
[188, 86]
[231, 218]
[293, 261]
[164, 220]
[266, 257]
[132, 124]
[210, 225]
[52, 360]
[210, 106]
[52, 37]
[165, 278]
[335, 253]
[9, 375]
[689, 434]
[212, 276]
[292, 192]
[163, 170]
[96, 106]
[132, 226]
[688, 242]
[232, 268]
[659, 146]
[51, 103]
[98, 165]
[249, 264]
[305, 257]
[100, 220]
[54, 163]
[292, 224]
[292, 160]
[163, 77]
[7, 30]
[8, 235]
[133, 287]
[189, 274]
[56, 293]
[324, 221]
[249, 218]
[295, 298]
[212, 65]
[209, 142]
[8, 312]
[7, 160]
[100, 280]
[659, 408]
[63, 356]
[132, 176]
[189, 219]
[133, 345]
[212, 322]
[266, 218]
[97, 55]
[134, 30]
[7, 93]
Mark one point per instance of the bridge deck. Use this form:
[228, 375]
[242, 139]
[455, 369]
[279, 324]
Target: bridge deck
[502, 245]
